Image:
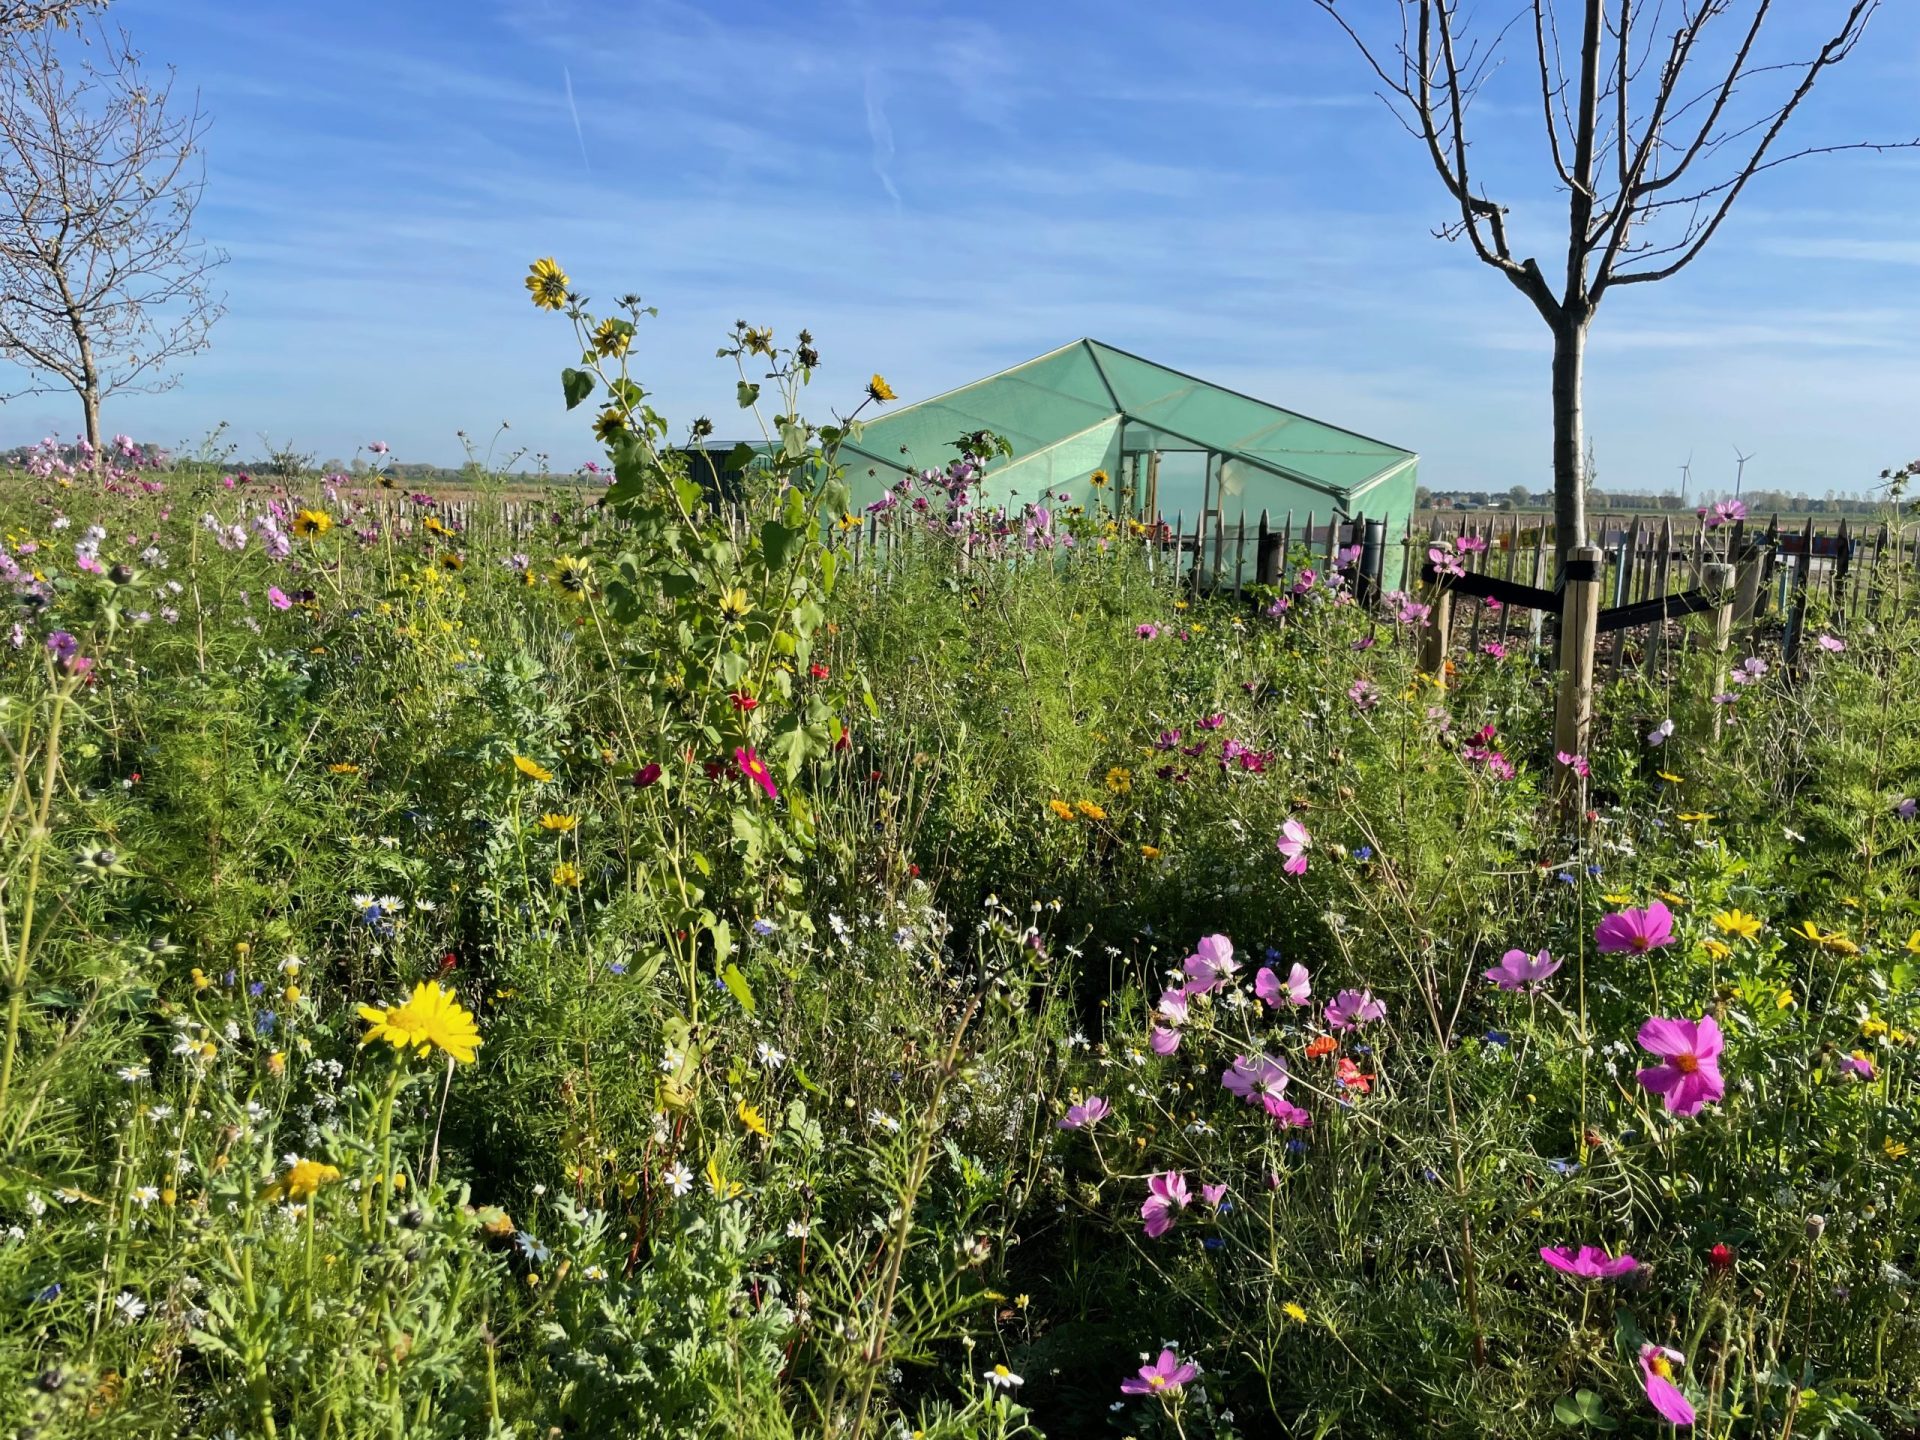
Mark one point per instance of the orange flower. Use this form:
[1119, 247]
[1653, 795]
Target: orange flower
[1322, 1045]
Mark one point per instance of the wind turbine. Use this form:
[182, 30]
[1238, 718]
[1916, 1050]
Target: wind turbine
[1686, 476]
[1741, 471]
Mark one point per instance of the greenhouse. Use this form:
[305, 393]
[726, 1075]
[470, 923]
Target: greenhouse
[1163, 444]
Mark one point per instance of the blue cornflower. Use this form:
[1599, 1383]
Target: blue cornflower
[1365, 852]
[48, 1295]
[617, 967]
[763, 927]
[1296, 1147]
[1564, 1167]
[265, 1021]
[1498, 1037]
[530, 1248]
[257, 988]
[1566, 877]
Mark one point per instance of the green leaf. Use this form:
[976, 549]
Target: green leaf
[793, 440]
[776, 541]
[722, 934]
[576, 385]
[748, 395]
[1567, 1412]
[737, 984]
[805, 1083]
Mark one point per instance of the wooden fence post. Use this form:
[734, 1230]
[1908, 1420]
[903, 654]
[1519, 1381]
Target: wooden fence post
[1433, 639]
[1573, 707]
[1719, 583]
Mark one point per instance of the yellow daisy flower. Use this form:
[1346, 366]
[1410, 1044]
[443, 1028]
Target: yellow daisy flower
[1061, 808]
[566, 875]
[1091, 810]
[430, 1017]
[1738, 922]
[716, 1178]
[1120, 780]
[753, 1120]
[879, 391]
[301, 1182]
[560, 823]
[311, 523]
[533, 769]
[611, 339]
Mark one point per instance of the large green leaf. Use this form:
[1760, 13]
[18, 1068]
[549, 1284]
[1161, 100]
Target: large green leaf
[576, 385]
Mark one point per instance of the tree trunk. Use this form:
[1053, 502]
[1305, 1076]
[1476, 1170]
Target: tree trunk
[1569, 436]
[90, 399]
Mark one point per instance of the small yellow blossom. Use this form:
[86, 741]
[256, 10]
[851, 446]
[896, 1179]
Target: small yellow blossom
[1737, 922]
[1120, 780]
[1718, 949]
[1893, 1149]
[561, 823]
[345, 767]
[1091, 810]
[430, 1016]
[566, 875]
[1617, 899]
[547, 284]
[1671, 778]
[735, 604]
[533, 769]
[753, 1120]
[1150, 852]
[312, 523]
[879, 391]
[716, 1179]
[1295, 1311]
[1061, 808]
[301, 1182]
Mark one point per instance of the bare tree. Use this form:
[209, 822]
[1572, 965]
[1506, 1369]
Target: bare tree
[1650, 164]
[18, 15]
[102, 281]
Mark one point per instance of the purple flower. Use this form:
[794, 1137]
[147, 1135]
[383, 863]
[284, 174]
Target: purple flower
[1857, 1065]
[1086, 1114]
[1253, 1077]
[1166, 1376]
[1907, 808]
[1163, 1041]
[1656, 1370]
[1286, 1114]
[1637, 931]
[1660, 733]
[1214, 1194]
[1519, 971]
[62, 645]
[1362, 694]
[1833, 644]
[1588, 1263]
[1354, 1007]
[1748, 670]
[1167, 1196]
[277, 598]
[1173, 1006]
[1297, 989]
[1294, 843]
[1691, 1076]
[1576, 763]
[1211, 964]
[1148, 631]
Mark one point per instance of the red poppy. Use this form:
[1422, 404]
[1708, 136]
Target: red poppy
[818, 671]
[743, 701]
[1321, 1045]
[845, 742]
[1350, 1077]
[448, 961]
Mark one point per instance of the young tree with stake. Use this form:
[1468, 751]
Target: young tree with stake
[1657, 116]
[103, 283]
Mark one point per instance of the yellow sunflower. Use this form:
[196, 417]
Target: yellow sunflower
[312, 523]
[1737, 922]
[547, 283]
[566, 875]
[561, 823]
[532, 769]
[879, 391]
[430, 1017]
[573, 574]
[610, 341]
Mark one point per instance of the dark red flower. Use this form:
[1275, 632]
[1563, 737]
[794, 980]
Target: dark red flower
[818, 671]
[1720, 1257]
[743, 701]
[646, 775]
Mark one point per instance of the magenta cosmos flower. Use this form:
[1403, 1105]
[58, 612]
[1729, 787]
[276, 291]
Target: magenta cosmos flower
[1294, 843]
[755, 769]
[1588, 1263]
[1656, 1369]
[1518, 970]
[1253, 1077]
[1085, 1114]
[1211, 964]
[1166, 1376]
[1354, 1007]
[1163, 1041]
[1297, 989]
[1285, 1114]
[1691, 1048]
[1214, 1194]
[1167, 1196]
[1636, 931]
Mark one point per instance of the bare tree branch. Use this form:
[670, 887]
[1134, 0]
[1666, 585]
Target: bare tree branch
[19, 15]
[102, 281]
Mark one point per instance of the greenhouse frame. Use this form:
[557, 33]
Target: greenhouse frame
[1089, 417]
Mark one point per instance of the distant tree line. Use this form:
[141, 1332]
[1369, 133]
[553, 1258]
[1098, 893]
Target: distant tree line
[1757, 501]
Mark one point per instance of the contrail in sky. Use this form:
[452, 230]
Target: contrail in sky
[574, 109]
[881, 134]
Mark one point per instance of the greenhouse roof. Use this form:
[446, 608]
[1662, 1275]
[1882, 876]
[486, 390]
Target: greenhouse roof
[1087, 390]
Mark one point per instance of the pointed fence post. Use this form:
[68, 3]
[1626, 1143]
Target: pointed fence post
[1719, 583]
[1573, 708]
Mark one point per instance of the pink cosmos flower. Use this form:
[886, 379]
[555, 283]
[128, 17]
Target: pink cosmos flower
[1163, 1041]
[1656, 1369]
[379, 447]
[1354, 1007]
[277, 598]
[1857, 1065]
[1294, 843]
[1589, 1263]
[1214, 1194]
[1173, 1006]
[1637, 931]
[1519, 971]
[1148, 631]
[1831, 643]
[1253, 1077]
[1660, 733]
[1166, 1376]
[1211, 964]
[1285, 1114]
[1691, 1076]
[1085, 1114]
[1297, 989]
[1576, 763]
[1167, 1196]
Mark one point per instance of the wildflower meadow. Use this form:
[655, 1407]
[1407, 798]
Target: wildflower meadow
[631, 964]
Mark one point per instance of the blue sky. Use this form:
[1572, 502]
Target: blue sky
[939, 191]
